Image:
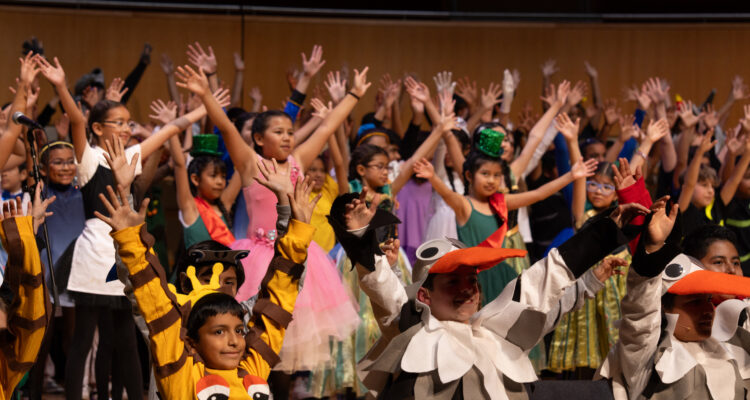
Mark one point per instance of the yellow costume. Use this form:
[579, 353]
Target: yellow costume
[324, 236]
[184, 376]
[29, 313]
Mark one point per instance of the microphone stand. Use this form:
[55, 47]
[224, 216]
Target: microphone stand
[37, 179]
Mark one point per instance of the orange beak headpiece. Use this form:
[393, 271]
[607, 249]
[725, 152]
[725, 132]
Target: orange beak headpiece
[685, 275]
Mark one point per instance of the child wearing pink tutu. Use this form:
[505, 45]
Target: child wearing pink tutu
[323, 307]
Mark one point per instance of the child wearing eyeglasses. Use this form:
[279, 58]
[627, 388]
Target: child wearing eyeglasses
[583, 338]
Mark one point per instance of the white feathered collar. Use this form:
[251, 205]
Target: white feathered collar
[453, 348]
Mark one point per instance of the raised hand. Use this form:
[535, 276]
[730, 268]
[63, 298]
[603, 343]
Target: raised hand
[62, 126]
[123, 172]
[527, 119]
[628, 129]
[391, 249]
[590, 70]
[54, 74]
[612, 114]
[624, 213]
[311, 66]
[549, 68]
[336, 86]
[609, 267]
[256, 95]
[166, 64]
[739, 89]
[277, 181]
[577, 93]
[734, 144]
[567, 128]
[467, 90]
[360, 84]
[711, 119]
[12, 208]
[163, 113]
[189, 79]
[201, 59]
[706, 142]
[39, 207]
[491, 96]
[321, 110]
[661, 225]
[583, 169]
[29, 68]
[509, 81]
[301, 203]
[424, 169]
[444, 82]
[657, 130]
[657, 90]
[223, 96]
[357, 215]
[115, 90]
[624, 177]
[239, 64]
[121, 215]
[417, 90]
[745, 120]
[687, 116]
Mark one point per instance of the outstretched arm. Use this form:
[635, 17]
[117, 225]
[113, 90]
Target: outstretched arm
[691, 177]
[730, 187]
[457, 202]
[557, 101]
[580, 170]
[306, 152]
[243, 156]
[9, 138]
[56, 76]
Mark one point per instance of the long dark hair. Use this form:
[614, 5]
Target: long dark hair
[260, 124]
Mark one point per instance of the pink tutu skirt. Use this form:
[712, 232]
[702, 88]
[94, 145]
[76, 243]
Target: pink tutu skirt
[324, 307]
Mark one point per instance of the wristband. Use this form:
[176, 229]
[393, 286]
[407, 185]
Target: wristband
[640, 153]
[353, 95]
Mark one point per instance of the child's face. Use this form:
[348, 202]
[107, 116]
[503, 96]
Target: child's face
[454, 296]
[12, 179]
[317, 173]
[596, 151]
[211, 182]
[696, 317]
[247, 131]
[61, 167]
[278, 139]
[600, 191]
[227, 279]
[393, 154]
[375, 172]
[722, 256]
[117, 123]
[221, 341]
[378, 140]
[703, 194]
[507, 146]
[486, 180]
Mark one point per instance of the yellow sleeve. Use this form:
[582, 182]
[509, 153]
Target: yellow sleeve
[159, 307]
[278, 293]
[29, 313]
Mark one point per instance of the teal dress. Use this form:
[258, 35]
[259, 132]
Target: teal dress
[478, 228]
[197, 232]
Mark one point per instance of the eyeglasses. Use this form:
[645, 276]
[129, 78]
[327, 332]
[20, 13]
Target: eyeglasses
[120, 124]
[379, 167]
[62, 163]
[604, 188]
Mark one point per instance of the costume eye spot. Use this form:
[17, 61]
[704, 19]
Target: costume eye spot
[674, 270]
[429, 252]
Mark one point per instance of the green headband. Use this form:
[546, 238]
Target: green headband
[491, 142]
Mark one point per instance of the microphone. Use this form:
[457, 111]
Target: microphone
[21, 119]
